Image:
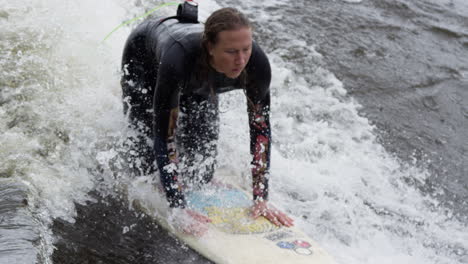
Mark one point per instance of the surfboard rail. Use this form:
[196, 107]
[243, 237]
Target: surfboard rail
[234, 236]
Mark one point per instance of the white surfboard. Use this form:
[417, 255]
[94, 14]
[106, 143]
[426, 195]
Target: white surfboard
[235, 237]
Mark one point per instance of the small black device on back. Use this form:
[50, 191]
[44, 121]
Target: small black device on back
[187, 12]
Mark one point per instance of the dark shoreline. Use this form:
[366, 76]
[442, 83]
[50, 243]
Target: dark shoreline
[97, 236]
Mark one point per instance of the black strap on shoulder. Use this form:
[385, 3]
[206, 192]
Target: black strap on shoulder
[165, 19]
[187, 12]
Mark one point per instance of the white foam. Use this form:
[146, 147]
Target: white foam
[327, 170]
[352, 1]
[336, 180]
[61, 100]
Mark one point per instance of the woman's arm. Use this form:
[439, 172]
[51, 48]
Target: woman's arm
[260, 143]
[170, 77]
[258, 97]
[258, 107]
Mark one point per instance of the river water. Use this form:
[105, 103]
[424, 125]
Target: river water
[369, 115]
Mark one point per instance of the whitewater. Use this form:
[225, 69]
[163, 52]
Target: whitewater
[63, 135]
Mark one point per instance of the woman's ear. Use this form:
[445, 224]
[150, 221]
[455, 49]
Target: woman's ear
[209, 46]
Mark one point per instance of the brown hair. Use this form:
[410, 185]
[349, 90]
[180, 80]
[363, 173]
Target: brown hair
[227, 18]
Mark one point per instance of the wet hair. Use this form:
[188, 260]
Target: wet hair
[222, 19]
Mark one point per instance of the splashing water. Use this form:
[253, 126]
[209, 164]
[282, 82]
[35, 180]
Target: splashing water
[63, 132]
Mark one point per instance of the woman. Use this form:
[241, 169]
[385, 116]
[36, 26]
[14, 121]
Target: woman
[173, 73]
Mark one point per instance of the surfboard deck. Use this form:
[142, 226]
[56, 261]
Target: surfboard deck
[234, 236]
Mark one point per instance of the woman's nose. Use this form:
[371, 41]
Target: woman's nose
[240, 58]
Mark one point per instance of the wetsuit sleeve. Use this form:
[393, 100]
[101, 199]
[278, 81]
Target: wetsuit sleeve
[258, 106]
[165, 104]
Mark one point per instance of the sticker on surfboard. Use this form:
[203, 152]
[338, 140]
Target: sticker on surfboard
[238, 221]
[301, 247]
[303, 251]
[228, 210]
[285, 245]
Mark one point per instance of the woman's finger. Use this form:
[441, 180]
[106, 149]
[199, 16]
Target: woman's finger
[286, 221]
[272, 217]
[281, 218]
[204, 219]
[199, 217]
[285, 217]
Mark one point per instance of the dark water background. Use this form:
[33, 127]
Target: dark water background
[405, 62]
[108, 232]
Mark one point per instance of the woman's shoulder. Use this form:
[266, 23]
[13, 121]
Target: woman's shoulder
[258, 57]
[258, 63]
[188, 35]
[258, 73]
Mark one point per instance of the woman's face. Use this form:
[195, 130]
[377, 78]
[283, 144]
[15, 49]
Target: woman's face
[232, 51]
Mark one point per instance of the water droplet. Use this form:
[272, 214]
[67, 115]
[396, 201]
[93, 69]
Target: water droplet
[430, 102]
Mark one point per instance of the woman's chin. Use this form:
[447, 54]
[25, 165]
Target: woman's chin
[233, 74]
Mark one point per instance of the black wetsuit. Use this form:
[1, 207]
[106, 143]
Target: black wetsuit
[162, 90]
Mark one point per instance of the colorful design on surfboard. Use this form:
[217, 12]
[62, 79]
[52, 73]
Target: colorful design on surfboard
[285, 245]
[228, 210]
[302, 244]
[222, 198]
[303, 251]
[238, 221]
[301, 247]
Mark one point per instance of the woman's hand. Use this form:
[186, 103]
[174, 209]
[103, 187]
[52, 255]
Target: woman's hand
[261, 208]
[190, 221]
